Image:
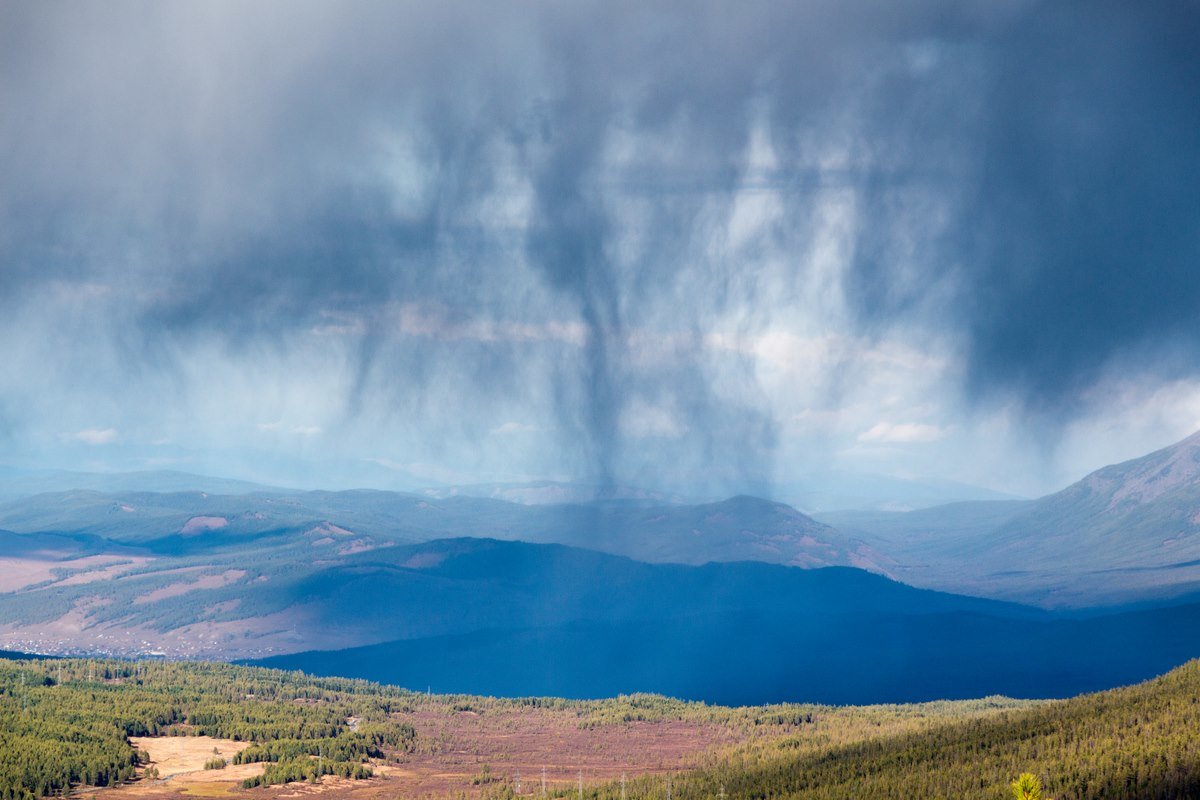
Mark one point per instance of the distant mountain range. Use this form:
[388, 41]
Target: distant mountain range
[540, 493]
[828, 491]
[621, 594]
[836, 490]
[738, 529]
[832, 490]
[18, 483]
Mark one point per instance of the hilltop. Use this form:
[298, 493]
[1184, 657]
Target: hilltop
[1124, 533]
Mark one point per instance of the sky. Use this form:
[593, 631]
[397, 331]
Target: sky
[702, 246]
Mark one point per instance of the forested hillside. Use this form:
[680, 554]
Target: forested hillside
[67, 722]
[1133, 743]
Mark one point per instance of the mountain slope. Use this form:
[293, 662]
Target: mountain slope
[513, 617]
[1140, 512]
[1131, 743]
[738, 529]
[745, 633]
[1128, 532]
[915, 536]
[290, 590]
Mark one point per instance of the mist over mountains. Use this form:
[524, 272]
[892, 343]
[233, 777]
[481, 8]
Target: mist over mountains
[623, 593]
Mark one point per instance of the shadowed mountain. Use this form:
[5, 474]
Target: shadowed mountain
[514, 619]
[287, 589]
[485, 615]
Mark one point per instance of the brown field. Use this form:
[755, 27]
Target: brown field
[180, 762]
[179, 755]
[507, 743]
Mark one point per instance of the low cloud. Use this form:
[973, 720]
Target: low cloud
[280, 427]
[902, 433]
[514, 427]
[96, 436]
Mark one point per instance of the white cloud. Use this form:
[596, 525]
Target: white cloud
[96, 436]
[299, 430]
[514, 427]
[902, 433]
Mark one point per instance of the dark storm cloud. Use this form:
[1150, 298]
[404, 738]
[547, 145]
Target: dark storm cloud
[1078, 242]
[1089, 202]
[1025, 174]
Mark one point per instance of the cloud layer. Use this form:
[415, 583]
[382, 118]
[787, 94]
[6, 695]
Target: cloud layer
[666, 243]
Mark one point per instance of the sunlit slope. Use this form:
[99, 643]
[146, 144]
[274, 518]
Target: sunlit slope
[67, 725]
[1133, 743]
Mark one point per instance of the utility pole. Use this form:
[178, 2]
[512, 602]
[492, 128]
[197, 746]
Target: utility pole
[668, 787]
[580, 784]
[622, 786]
[543, 781]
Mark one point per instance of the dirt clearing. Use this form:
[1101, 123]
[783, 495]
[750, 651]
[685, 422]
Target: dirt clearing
[459, 753]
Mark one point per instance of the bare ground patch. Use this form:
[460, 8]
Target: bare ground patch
[183, 587]
[19, 573]
[180, 762]
[179, 755]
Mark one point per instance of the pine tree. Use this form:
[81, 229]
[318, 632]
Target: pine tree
[1027, 787]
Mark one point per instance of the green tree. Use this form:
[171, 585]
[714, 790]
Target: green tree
[1027, 787]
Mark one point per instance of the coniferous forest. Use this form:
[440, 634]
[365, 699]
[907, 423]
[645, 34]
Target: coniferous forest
[65, 724]
[1134, 743]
